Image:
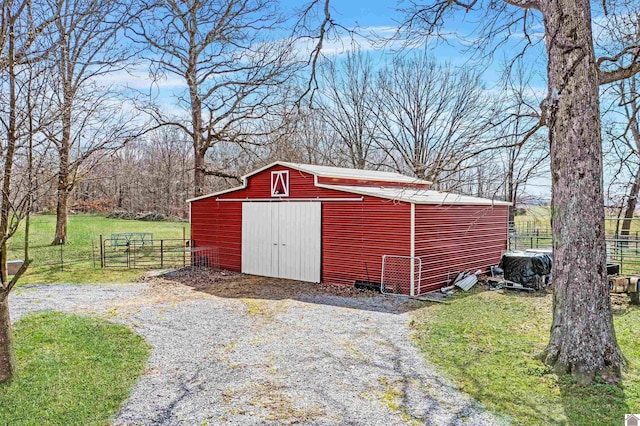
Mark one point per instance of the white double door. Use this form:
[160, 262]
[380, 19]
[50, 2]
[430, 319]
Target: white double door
[282, 239]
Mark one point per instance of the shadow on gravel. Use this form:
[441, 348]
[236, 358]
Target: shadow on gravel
[239, 286]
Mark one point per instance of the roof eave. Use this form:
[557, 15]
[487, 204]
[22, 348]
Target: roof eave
[412, 201]
[330, 176]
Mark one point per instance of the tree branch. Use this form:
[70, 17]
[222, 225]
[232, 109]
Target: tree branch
[605, 77]
[217, 173]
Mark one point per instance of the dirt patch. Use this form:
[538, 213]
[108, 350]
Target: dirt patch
[233, 285]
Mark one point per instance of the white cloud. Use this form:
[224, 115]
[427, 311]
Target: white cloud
[364, 39]
[140, 79]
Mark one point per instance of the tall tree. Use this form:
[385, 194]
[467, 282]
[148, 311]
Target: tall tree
[348, 106]
[90, 120]
[431, 116]
[623, 133]
[232, 65]
[21, 30]
[525, 150]
[617, 33]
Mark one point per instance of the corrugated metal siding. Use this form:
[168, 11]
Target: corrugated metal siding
[355, 234]
[219, 225]
[450, 239]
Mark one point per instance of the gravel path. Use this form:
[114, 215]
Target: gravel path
[246, 359]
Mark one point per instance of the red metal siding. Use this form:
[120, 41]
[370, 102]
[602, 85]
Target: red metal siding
[216, 224]
[450, 239]
[355, 234]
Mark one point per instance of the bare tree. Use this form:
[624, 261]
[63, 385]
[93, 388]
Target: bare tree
[90, 118]
[231, 66]
[348, 106]
[623, 133]
[21, 28]
[431, 117]
[303, 137]
[525, 150]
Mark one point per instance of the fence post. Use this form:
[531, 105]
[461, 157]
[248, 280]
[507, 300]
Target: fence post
[184, 247]
[161, 254]
[101, 252]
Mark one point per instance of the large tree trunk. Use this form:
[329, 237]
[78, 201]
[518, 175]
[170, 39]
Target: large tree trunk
[6, 353]
[62, 201]
[61, 217]
[64, 184]
[198, 174]
[583, 341]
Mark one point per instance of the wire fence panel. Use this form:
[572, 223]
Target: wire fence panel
[401, 275]
[205, 257]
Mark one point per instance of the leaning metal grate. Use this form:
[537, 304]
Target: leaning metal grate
[207, 257]
[401, 275]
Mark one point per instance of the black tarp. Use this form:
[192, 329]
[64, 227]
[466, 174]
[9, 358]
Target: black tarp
[529, 269]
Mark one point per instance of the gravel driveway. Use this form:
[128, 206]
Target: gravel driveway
[246, 350]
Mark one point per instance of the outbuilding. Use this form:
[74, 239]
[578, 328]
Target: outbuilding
[338, 226]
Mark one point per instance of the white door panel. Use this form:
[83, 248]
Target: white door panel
[258, 238]
[282, 240]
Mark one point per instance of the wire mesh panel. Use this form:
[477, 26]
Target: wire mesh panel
[401, 275]
[205, 257]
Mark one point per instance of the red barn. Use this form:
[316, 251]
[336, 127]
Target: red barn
[339, 226]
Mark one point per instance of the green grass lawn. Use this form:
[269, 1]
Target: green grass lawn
[487, 342]
[71, 370]
[78, 253]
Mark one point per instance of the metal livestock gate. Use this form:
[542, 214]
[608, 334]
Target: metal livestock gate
[164, 253]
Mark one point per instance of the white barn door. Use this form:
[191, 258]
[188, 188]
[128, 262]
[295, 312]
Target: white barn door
[282, 240]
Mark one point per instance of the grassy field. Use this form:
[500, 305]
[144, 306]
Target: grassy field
[487, 342]
[71, 370]
[539, 217]
[78, 253]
